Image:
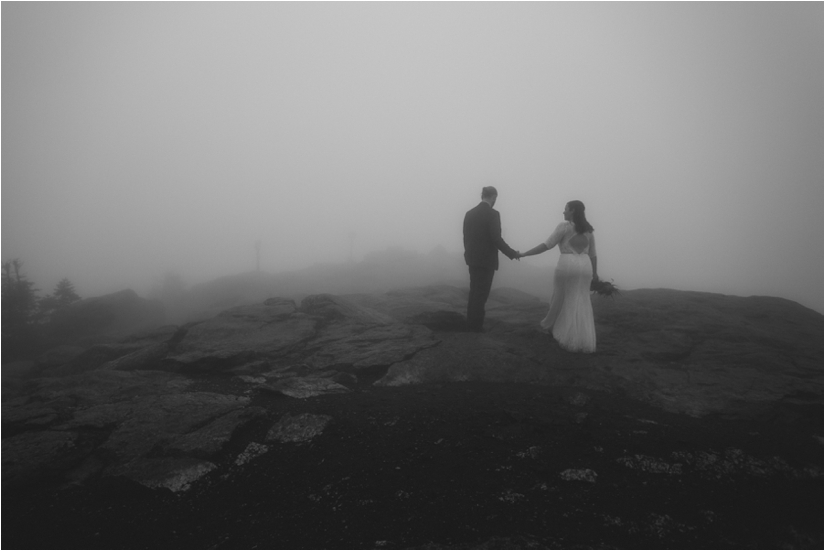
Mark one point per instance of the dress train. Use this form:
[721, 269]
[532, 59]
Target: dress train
[570, 316]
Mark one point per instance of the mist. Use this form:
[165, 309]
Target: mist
[140, 139]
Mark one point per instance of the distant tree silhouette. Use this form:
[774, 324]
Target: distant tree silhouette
[19, 310]
[64, 294]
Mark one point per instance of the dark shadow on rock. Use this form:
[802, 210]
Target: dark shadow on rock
[441, 320]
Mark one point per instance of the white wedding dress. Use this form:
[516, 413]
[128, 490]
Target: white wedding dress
[570, 317]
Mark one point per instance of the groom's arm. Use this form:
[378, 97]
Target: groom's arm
[495, 235]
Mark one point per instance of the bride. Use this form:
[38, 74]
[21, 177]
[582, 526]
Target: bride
[570, 317]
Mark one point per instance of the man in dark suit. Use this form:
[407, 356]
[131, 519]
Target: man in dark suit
[482, 241]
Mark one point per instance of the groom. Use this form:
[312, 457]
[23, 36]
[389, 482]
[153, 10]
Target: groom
[482, 241]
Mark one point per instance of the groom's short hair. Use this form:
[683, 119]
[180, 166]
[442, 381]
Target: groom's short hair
[488, 191]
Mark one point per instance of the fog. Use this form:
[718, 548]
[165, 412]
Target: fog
[146, 138]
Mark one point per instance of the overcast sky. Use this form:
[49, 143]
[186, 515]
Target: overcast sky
[139, 138]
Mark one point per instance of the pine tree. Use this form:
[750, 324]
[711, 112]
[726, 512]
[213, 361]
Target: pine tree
[19, 309]
[64, 293]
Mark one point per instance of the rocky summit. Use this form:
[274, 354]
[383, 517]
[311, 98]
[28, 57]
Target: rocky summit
[377, 421]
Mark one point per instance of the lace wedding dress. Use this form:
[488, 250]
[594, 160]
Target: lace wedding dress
[570, 317]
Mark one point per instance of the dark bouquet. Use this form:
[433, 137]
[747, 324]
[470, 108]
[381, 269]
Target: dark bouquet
[604, 288]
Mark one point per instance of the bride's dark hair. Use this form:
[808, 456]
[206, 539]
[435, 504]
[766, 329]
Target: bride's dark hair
[581, 223]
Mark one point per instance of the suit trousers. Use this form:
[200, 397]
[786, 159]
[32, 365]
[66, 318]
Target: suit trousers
[481, 280]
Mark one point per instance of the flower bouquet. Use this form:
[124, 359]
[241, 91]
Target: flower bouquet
[604, 288]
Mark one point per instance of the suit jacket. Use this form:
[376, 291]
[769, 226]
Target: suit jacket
[482, 237]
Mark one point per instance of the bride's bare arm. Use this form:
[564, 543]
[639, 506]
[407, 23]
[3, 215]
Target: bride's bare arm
[595, 272]
[538, 249]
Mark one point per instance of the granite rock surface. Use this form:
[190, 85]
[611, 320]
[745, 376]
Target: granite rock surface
[171, 407]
